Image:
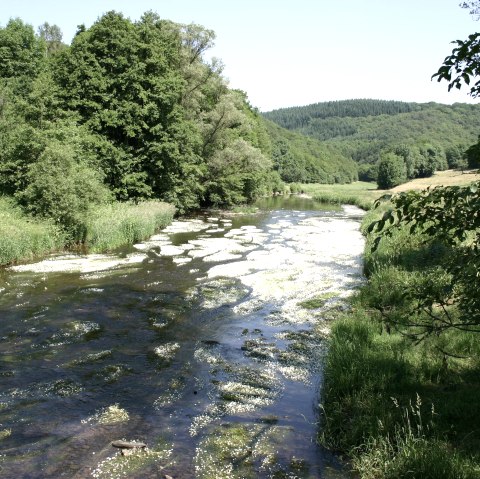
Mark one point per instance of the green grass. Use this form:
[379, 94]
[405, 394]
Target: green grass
[118, 224]
[359, 193]
[398, 408]
[23, 238]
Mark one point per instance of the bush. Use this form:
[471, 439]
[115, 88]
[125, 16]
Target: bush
[62, 187]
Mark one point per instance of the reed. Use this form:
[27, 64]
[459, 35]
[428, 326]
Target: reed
[111, 226]
[23, 238]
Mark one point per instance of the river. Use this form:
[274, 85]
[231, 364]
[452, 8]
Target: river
[204, 342]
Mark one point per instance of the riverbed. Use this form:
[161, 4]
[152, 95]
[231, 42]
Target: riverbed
[204, 342]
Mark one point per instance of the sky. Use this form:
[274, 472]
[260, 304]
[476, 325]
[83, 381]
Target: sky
[285, 53]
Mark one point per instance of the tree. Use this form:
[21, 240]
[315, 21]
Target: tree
[392, 171]
[450, 215]
[463, 65]
[52, 36]
[21, 53]
[367, 172]
[125, 81]
[474, 7]
[237, 174]
[472, 155]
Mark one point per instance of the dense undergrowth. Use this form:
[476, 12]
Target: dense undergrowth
[399, 404]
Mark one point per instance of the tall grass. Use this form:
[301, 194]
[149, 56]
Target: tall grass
[360, 193]
[372, 360]
[114, 225]
[23, 238]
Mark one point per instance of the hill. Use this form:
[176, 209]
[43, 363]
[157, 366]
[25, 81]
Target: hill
[302, 159]
[362, 129]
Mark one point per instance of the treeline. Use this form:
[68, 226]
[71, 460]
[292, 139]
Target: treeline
[426, 137]
[129, 111]
[297, 117]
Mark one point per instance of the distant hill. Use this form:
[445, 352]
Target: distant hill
[362, 129]
[297, 117]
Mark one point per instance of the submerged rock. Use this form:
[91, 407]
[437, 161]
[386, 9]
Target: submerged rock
[128, 448]
[128, 444]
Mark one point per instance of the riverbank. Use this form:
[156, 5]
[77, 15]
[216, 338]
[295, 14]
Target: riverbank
[363, 194]
[23, 238]
[359, 193]
[395, 406]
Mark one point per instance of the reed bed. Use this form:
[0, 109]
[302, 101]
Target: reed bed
[111, 226]
[23, 238]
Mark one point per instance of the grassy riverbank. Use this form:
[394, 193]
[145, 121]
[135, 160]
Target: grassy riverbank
[400, 408]
[364, 194]
[23, 238]
[117, 224]
[359, 193]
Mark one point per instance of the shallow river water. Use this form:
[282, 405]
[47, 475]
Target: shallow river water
[205, 342]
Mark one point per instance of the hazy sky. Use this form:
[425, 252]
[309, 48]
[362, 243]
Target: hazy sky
[296, 52]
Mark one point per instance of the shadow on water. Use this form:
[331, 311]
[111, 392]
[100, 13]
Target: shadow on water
[202, 350]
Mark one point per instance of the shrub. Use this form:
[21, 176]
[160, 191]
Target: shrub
[62, 187]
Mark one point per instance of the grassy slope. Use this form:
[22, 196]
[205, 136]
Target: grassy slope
[400, 409]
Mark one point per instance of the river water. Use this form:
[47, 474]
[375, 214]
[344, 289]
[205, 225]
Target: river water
[205, 343]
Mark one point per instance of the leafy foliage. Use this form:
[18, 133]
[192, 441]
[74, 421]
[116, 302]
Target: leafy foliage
[391, 171]
[449, 215]
[463, 65]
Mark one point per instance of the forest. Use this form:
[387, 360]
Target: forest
[414, 139]
[132, 111]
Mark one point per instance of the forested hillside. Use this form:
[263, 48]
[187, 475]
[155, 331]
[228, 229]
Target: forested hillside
[425, 136]
[297, 117]
[298, 158]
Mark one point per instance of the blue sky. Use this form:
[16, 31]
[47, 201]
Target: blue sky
[296, 52]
